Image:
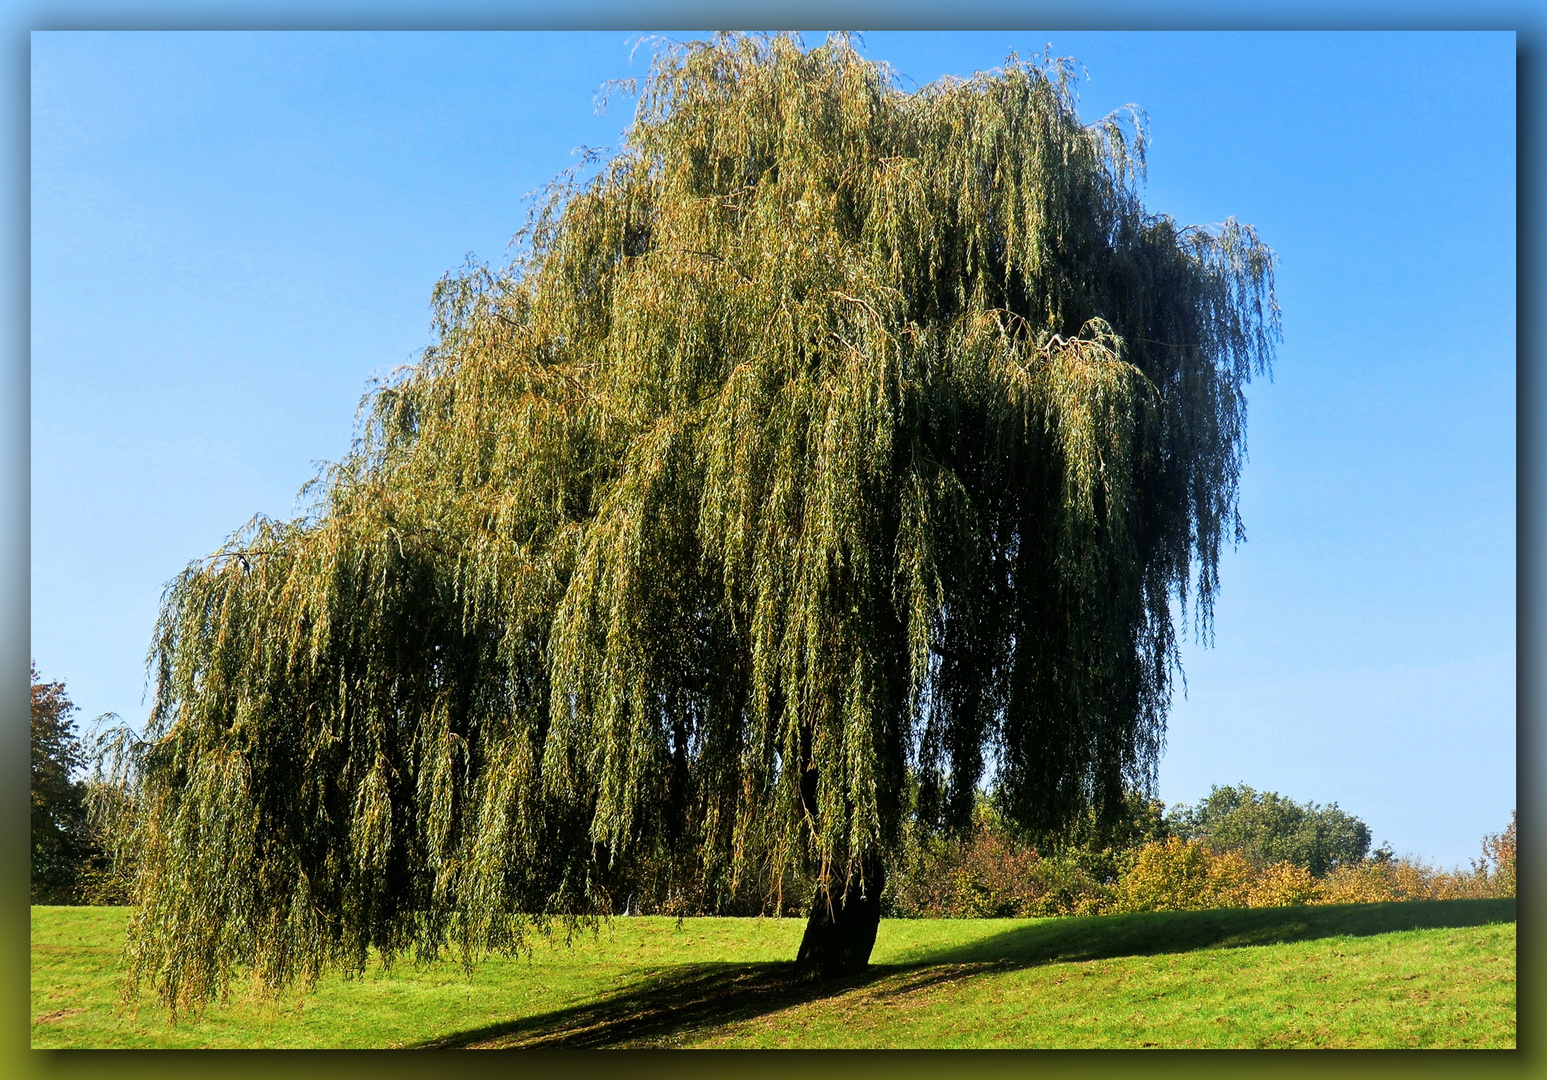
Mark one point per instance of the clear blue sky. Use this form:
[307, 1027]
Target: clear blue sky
[232, 232]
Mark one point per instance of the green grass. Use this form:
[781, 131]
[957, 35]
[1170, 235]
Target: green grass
[1428, 973]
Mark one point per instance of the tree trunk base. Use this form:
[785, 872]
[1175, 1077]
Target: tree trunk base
[841, 931]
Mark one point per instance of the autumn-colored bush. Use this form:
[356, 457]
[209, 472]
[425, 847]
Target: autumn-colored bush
[985, 875]
[1399, 879]
[995, 878]
[1384, 878]
[991, 874]
[1498, 862]
[1282, 884]
[1186, 874]
[1077, 882]
[1181, 875]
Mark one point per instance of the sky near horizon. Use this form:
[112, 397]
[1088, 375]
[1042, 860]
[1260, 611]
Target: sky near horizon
[231, 233]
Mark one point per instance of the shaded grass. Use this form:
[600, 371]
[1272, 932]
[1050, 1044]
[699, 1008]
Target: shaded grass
[1041, 941]
[1425, 973]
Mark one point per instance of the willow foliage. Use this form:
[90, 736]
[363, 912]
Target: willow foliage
[825, 434]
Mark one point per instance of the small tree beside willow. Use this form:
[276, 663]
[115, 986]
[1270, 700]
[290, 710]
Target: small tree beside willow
[827, 439]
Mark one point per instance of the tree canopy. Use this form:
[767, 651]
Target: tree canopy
[1271, 828]
[59, 818]
[823, 436]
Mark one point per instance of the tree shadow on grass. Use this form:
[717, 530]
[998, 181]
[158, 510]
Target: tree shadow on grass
[664, 1009]
[1153, 933]
[673, 1005]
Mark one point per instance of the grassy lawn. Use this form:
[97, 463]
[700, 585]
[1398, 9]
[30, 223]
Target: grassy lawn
[1427, 973]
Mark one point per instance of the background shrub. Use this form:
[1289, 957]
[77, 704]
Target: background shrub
[1183, 875]
[1498, 861]
[996, 871]
[986, 873]
[1282, 885]
[1254, 850]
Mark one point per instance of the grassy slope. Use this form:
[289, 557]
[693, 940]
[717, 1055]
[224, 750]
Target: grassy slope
[1436, 973]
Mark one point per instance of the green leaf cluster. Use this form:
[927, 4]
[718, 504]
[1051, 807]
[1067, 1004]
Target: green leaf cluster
[60, 843]
[823, 432]
[1272, 829]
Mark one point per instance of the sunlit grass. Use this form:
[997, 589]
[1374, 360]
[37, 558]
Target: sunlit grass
[1436, 973]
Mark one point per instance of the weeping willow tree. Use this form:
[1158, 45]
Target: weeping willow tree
[819, 446]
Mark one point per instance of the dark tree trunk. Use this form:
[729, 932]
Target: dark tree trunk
[842, 928]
